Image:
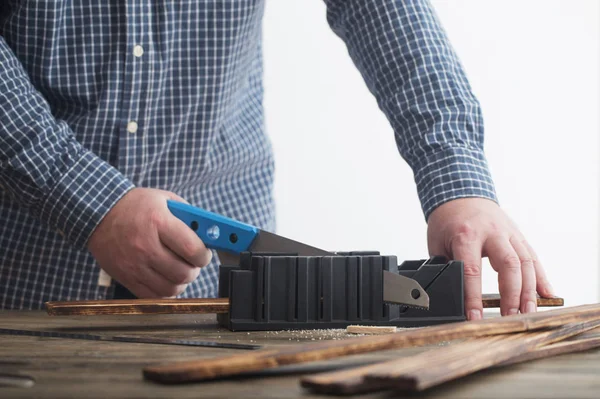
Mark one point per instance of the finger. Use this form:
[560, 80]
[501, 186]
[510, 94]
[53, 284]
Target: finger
[173, 268]
[137, 285]
[543, 286]
[528, 281]
[436, 247]
[182, 240]
[505, 261]
[469, 252]
[158, 284]
[140, 290]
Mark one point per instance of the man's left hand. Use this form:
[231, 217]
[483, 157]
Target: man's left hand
[468, 229]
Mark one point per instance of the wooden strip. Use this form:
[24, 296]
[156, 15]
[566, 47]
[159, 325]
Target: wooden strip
[204, 369]
[493, 301]
[438, 366]
[193, 305]
[371, 329]
[352, 382]
[137, 306]
[439, 360]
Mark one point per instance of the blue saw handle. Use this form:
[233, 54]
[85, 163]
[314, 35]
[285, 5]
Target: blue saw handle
[216, 231]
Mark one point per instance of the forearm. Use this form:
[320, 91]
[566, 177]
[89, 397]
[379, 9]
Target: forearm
[409, 66]
[43, 166]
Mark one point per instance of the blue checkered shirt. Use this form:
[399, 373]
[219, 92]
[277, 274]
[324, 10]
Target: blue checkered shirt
[98, 97]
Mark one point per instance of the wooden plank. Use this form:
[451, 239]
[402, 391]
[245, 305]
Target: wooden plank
[270, 358]
[438, 365]
[192, 305]
[137, 306]
[352, 381]
[371, 329]
[493, 301]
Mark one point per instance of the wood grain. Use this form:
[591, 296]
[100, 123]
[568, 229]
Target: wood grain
[581, 342]
[353, 381]
[137, 306]
[263, 359]
[493, 301]
[438, 365]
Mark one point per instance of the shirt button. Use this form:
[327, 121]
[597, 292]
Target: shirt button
[138, 51]
[132, 127]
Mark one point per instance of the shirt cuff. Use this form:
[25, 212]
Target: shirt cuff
[450, 174]
[82, 197]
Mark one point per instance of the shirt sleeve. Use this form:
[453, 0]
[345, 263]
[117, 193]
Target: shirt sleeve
[43, 167]
[408, 64]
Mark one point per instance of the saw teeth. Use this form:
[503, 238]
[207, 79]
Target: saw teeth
[406, 306]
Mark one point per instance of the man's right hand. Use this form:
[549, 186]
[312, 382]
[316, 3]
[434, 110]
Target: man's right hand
[147, 249]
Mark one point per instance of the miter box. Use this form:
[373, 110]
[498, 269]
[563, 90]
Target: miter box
[279, 291]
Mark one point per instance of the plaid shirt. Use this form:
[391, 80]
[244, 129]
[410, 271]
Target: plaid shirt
[99, 97]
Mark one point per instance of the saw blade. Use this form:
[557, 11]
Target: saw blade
[401, 290]
[138, 340]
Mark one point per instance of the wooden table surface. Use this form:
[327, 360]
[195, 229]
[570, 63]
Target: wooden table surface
[66, 368]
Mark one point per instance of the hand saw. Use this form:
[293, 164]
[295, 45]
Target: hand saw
[230, 238]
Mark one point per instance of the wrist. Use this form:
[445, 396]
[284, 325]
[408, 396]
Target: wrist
[451, 174]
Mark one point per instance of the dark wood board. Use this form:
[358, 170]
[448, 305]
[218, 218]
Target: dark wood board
[81, 369]
[581, 342]
[493, 301]
[138, 306]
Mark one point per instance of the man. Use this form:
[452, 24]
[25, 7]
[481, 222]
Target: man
[107, 109]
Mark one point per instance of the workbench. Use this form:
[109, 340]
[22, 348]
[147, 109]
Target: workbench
[67, 368]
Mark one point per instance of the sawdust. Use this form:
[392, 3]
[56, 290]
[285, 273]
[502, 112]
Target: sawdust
[333, 334]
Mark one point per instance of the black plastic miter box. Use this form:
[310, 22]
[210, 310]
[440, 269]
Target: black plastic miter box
[276, 291]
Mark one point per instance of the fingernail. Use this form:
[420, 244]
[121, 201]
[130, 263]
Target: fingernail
[530, 307]
[475, 314]
[513, 311]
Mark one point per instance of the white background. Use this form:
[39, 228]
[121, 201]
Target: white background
[534, 65]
